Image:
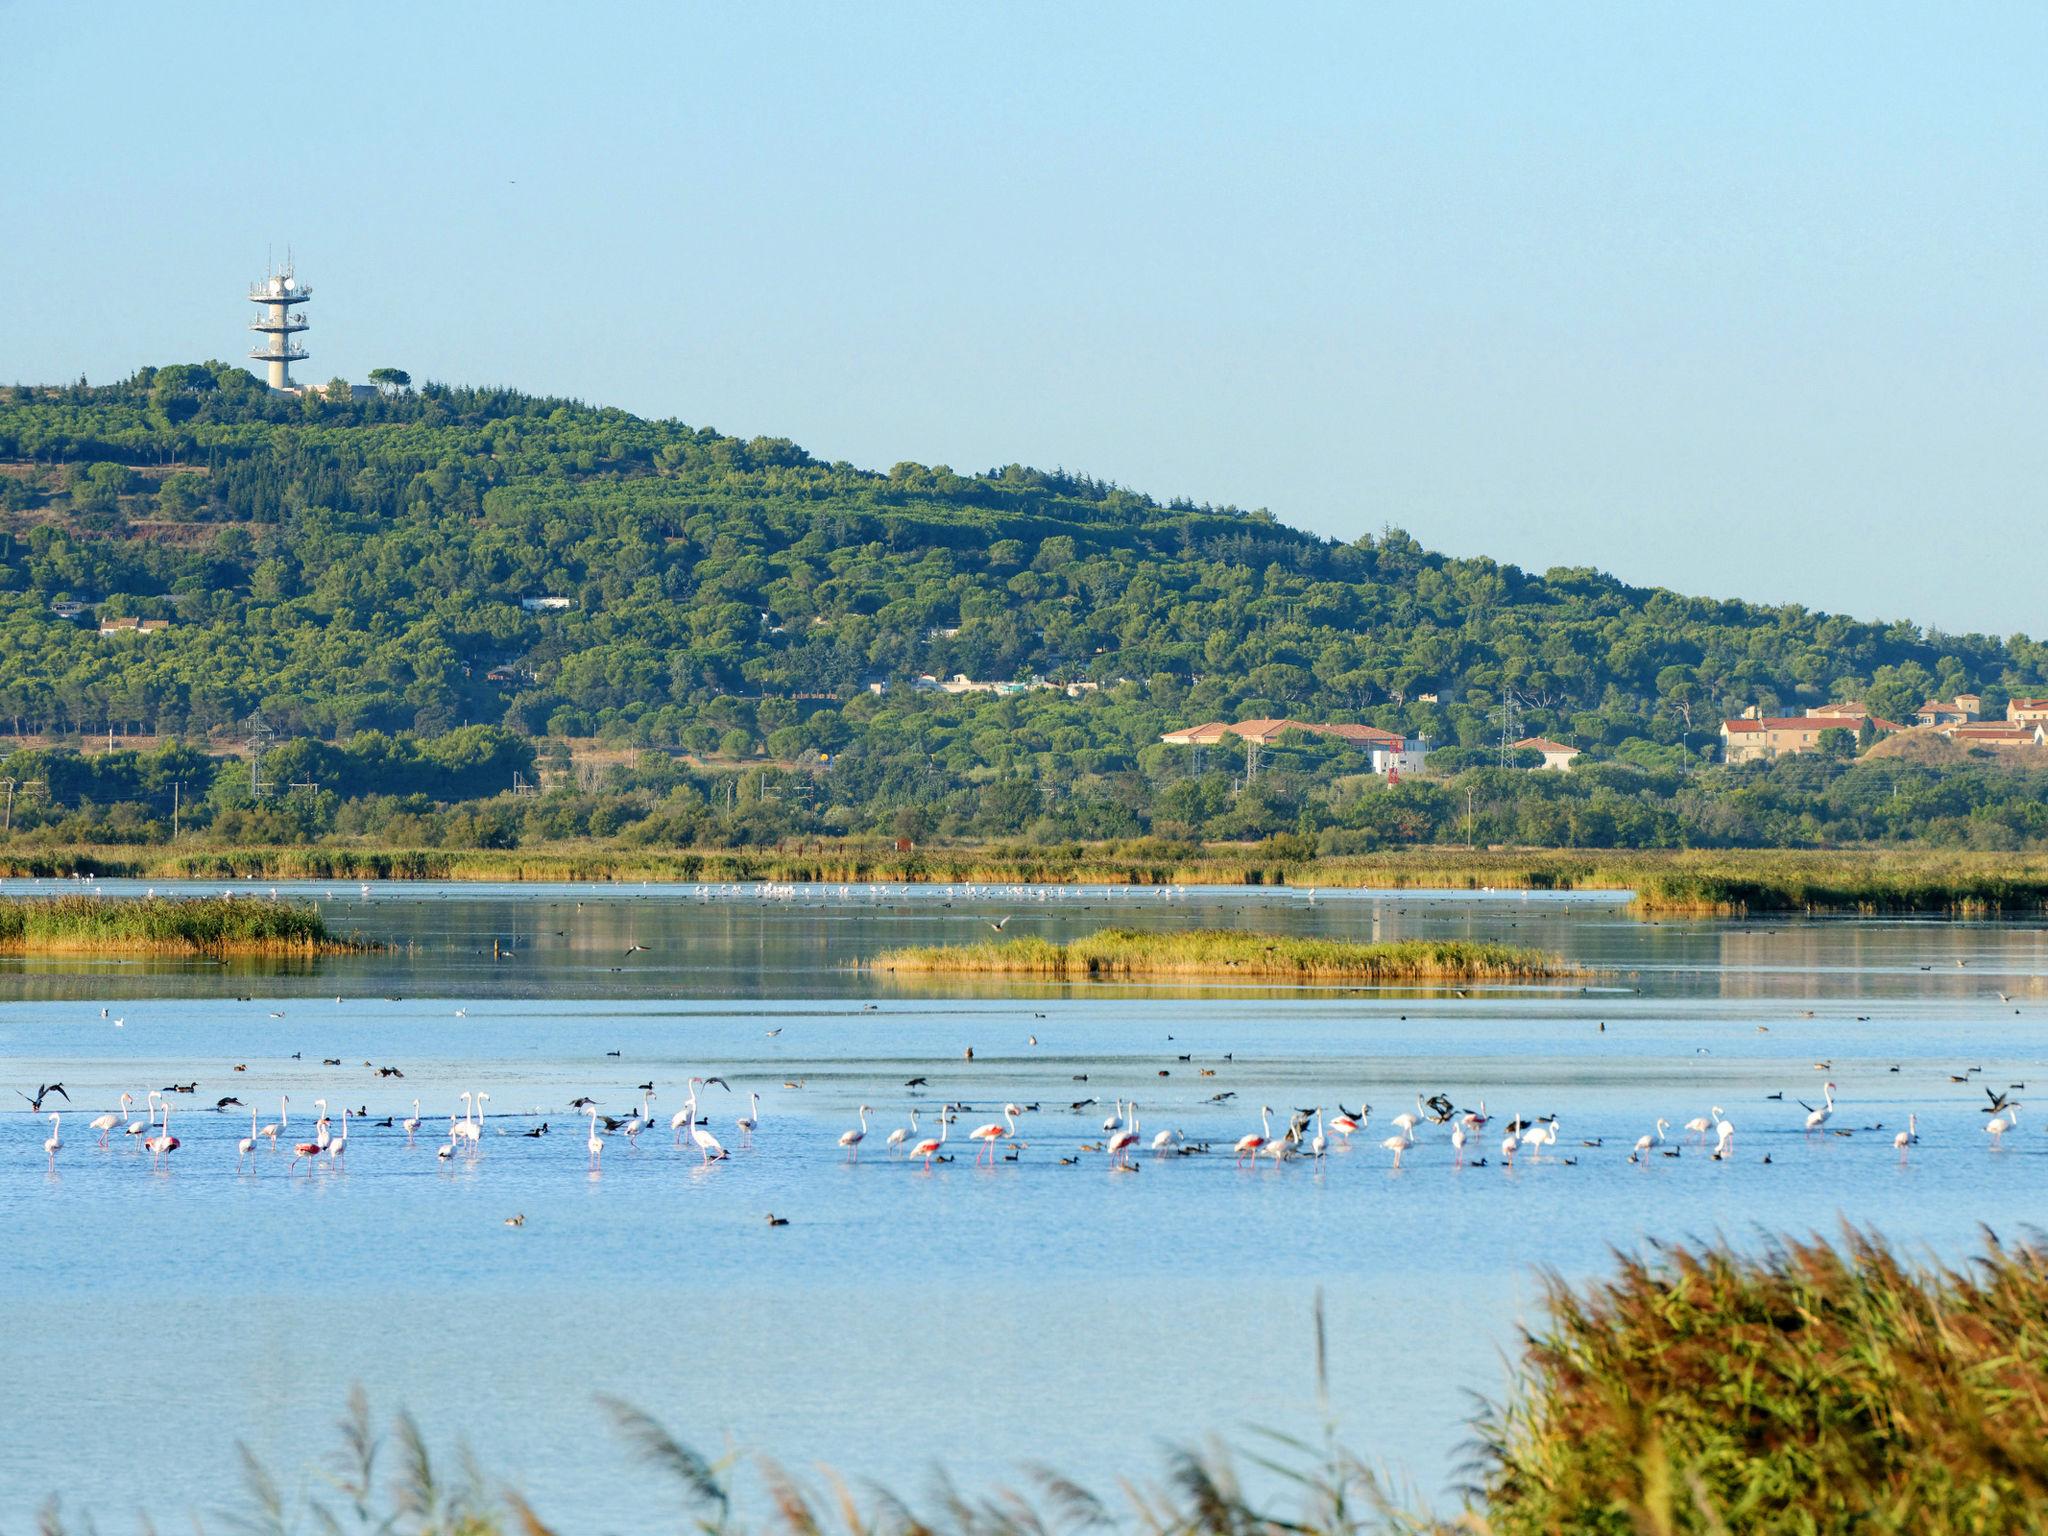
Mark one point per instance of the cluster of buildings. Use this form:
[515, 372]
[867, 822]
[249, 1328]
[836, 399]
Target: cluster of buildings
[1388, 752]
[1756, 737]
[960, 682]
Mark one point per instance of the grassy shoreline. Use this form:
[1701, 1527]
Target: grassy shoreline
[1123, 952]
[190, 925]
[1675, 883]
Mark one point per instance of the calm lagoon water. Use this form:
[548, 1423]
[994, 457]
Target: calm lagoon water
[980, 1317]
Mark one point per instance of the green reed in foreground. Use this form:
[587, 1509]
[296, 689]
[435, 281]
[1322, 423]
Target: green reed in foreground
[187, 924]
[1229, 954]
[1807, 1389]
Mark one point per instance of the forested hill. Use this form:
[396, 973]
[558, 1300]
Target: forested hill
[347, 565]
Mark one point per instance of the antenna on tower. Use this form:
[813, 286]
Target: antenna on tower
[278, 293]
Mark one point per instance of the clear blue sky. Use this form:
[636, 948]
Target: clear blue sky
[1740, 299]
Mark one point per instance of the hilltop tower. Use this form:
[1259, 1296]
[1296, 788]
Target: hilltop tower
[277, 294]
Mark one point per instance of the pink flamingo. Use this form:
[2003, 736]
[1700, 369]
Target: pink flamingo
[851, 1140]
[162, 1145]
[1121, 1143]
[595, 1142]
[55, 1144]
[988, 1135]
[105, 1124]
[1248, 1146]
[929, 1147]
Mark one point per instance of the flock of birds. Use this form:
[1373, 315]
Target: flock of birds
[1312, 1132]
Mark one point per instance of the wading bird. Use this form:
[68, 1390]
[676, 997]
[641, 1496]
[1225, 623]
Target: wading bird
[105, 1124]
[1248, 1146]
[900, 1135]
[929, 1147]
[1816, 1118]
[852, 1139]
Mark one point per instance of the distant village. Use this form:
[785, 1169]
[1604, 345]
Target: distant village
[1756, 737]
[1750, 738]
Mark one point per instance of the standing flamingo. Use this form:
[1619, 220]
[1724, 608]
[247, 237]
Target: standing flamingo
[143, 1127]
[321, 1134]
[412, 1122]
[447, 1148]
[1114, 1122]
[1724, 1140]
[1248, 1146]
[1321, 1144]
[851, 1140]
[339, 1144]
[988, 1135]
[105, 1124]
[163, 1144]
[248, 1143]
[1908, 1136]
[1345, 1124]
[1119, 1145]
[1476, 1118]
[55, 1143]
[929, 1147]
[1458, 1143]
[1407, 1122]
[1401, 1143]
[1644, 1143]
[2000, 1124]
[1826, 1112]
[751, 1120]
[596, 1142]
[283, 1120]
[900, 1135]
[706, 1143]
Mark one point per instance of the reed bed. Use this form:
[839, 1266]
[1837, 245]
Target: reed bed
[1664, 882]
[1209, 953]
[212, 925]
[1808, 1389]
[1812, 1388]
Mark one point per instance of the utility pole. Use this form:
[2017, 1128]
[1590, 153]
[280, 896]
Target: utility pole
[177, 796]
[1469, 843]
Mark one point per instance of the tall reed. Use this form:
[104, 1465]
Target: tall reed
[221, 925]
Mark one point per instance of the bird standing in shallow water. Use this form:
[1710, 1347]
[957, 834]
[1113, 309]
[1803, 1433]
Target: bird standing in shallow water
[851, 1140]
[105, 1124]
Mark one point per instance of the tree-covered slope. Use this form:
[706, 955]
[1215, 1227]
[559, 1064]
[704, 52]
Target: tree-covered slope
[341, 566]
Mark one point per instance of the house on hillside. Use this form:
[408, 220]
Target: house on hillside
[133, 626]
[1755, 739]
[2001, 738]
[545, 604]
[1959, 711]
[1556, 755]
[1387, 751]
[2026, 711]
